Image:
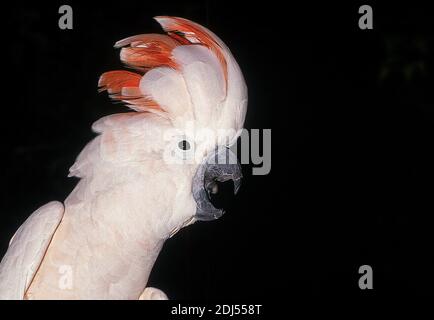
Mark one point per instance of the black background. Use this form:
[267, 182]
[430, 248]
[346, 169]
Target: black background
[352, 119]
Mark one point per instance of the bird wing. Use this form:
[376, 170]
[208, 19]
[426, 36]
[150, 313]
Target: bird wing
[27, 249]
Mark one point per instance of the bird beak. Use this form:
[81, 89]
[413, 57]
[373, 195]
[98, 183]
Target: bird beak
[220, 166]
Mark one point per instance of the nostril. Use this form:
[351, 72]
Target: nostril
[221, 194]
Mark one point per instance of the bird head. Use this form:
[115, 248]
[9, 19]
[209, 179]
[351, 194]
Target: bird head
[188, 99]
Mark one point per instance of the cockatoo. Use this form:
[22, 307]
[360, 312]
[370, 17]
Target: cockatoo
[147, 174]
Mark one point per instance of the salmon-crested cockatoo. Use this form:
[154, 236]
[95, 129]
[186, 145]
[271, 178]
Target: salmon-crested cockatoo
[147, 174]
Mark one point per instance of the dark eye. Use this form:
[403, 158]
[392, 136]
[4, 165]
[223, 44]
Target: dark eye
[184, 145]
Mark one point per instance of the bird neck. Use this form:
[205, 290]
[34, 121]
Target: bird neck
[104, 248]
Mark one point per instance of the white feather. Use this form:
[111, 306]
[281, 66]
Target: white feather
[27, 249]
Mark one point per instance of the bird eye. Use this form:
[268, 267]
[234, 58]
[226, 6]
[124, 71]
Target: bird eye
[184, 145]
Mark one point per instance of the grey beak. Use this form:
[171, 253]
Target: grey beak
[220, 166]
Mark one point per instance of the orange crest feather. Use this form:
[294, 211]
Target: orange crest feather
[147, 51]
